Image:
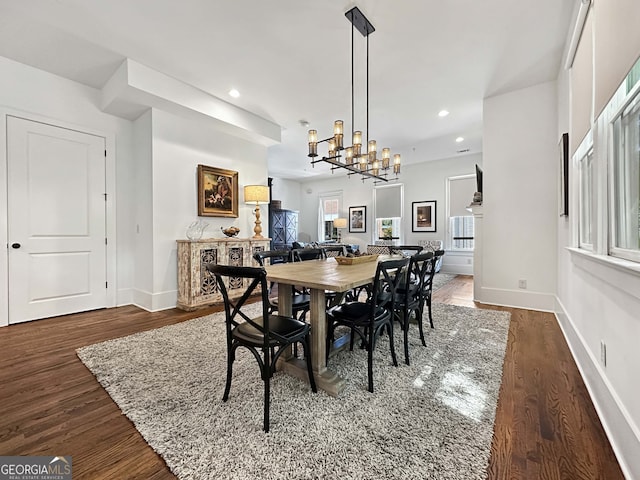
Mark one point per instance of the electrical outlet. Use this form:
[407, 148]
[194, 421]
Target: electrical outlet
[522, 283]
[603, 353]
[469, 261]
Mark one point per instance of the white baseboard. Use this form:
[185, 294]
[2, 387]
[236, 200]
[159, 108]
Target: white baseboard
[544, 302]
[623, 435]
[155, 302]
[457, 269]
[124, 297]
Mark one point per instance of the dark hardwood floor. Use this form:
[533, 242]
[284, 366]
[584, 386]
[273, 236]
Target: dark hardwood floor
[546, 426]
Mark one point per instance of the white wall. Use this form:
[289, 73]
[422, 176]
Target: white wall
[598, 301]
[178, 146]
[156, 159]
[354, 193]
[288, 192]
[45, 97]
[143, 209]
[422, 181]
[520, 162]
[428, 181]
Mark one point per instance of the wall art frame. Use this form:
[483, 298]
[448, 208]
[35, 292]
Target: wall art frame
[217, 192]
[423, 216]
[358, 219]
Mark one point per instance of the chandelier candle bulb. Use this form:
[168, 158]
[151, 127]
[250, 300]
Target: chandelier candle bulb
[396, 163]
[332, 148]
[357, 143]
[313, 143]
[386, 156]
[363, 162]
[372, 150]
[375, 169]
[338, 133]
[349, 155]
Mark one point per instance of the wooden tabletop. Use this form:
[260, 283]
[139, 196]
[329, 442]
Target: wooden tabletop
[322, 274]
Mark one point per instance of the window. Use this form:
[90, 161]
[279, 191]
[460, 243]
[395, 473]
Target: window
[388, 202]
[329, 210]
[585, 222]
[625, 189]
[461, 224]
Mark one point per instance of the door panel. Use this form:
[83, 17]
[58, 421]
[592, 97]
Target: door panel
[57, 215]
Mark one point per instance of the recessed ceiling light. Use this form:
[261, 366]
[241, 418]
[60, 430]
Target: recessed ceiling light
[459, 139]
[234, 93]
[304, 123]
[443, 113]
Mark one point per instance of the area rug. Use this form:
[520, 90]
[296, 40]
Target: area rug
[441, 279]
[433, 419]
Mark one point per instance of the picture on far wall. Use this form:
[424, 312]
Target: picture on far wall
[217, 192]
[423, 216]
[357, 219]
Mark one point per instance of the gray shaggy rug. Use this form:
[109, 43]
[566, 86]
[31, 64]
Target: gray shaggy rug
[433, 419]
[441, 279]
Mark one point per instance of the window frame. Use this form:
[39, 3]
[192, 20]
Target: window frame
[581, 159]
[397, 225]
[449, 242]
[322, 198]
[626, 99]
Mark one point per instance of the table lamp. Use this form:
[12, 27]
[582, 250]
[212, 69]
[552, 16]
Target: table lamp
[339, 224]
[256, 195]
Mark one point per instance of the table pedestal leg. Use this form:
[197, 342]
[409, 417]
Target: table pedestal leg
[326, 379]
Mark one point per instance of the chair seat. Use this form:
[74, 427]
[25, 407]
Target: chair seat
[356, 313]
[285, 327]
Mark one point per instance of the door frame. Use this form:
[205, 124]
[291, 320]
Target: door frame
[110, 207]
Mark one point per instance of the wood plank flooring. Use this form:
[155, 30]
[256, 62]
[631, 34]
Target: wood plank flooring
[50, 404]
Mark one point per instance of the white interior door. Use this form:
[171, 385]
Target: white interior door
[56, 220]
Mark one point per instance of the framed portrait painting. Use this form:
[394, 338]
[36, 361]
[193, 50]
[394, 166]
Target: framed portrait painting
[217, 192]
[357, 219]
[423, 216]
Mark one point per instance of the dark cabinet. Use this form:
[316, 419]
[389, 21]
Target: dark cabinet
[283, 228]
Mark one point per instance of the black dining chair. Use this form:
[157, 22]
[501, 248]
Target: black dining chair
[410, 296]
[335, 251]
[266, 336]
[369, 319]
[428, 287]
[302, 254]
[300, 302]
[405, 250]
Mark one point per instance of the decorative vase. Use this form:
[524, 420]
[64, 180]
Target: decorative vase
[195, 230]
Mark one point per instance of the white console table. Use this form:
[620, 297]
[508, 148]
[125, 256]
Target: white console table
[196, 286]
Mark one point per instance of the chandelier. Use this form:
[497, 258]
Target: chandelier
[355, 161]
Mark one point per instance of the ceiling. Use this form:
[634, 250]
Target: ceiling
[291, 60]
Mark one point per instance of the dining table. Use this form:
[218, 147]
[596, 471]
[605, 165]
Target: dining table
[317, 276]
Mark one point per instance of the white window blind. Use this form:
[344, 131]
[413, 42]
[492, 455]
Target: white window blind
[461, 192]
[616, 46]
[582, 86]
[388, 201]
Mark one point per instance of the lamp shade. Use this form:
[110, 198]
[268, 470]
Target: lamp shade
[340, 222]
[256, 194]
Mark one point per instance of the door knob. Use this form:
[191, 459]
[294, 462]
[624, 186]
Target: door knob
[15, 245]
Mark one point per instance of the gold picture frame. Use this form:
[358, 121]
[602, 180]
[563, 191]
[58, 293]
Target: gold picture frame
[217, 192]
